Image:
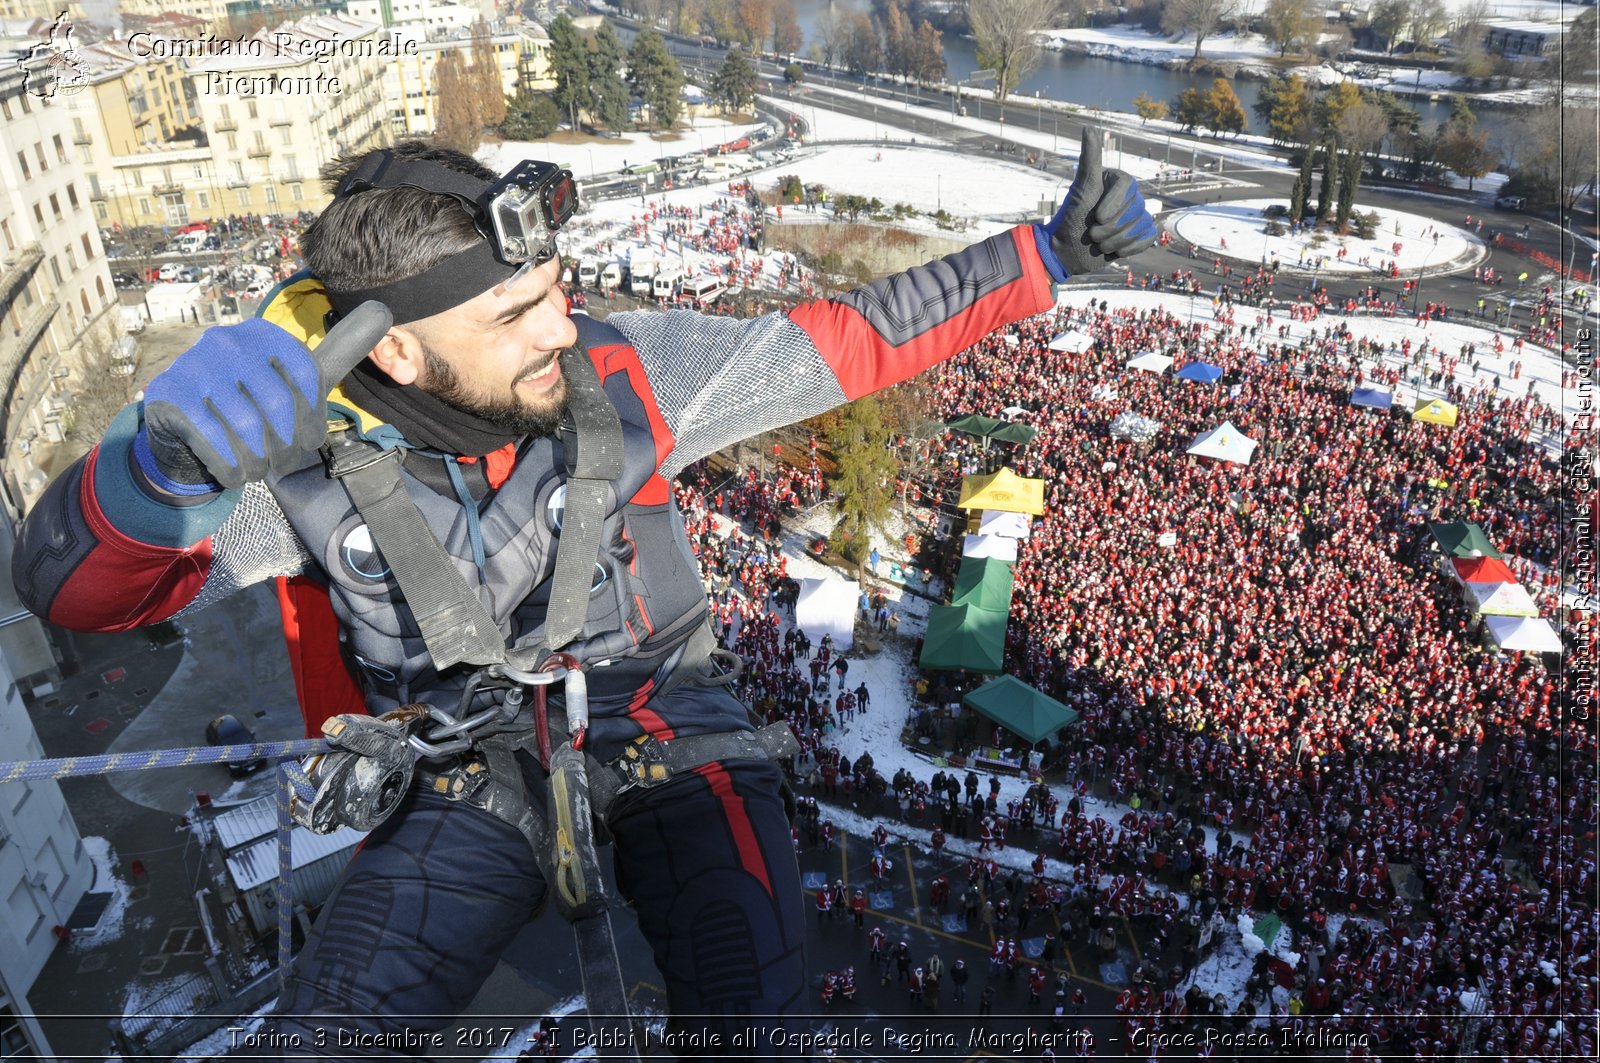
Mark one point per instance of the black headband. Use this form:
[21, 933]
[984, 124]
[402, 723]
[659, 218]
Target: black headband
[463, 276]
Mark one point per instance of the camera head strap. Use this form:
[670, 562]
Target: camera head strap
[518, 217]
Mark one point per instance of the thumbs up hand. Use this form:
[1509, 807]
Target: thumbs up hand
[246, 401]
[1102, 219]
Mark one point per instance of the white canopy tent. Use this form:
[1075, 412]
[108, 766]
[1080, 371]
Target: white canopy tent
[1225, 443]
[828, 607]
[1529, 634]
[1072, 341]
[996, 546]
[1151, 362]
[1501, 599]
[1011, 525]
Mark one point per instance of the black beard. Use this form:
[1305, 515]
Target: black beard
[510, 416]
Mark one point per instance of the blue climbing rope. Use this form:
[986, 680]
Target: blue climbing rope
[112, 763]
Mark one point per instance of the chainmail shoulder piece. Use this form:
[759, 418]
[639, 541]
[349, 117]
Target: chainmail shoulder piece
[718, 380]
[255, 543]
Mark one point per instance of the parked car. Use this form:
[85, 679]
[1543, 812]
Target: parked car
[226, 730]
[170, 271]
[125, 280]
[1510, 202]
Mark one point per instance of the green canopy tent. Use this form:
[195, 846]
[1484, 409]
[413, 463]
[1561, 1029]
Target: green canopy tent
[975, 424]
[964, 636]
[984, 582]
[1021, 709]
[1012, 432]
[1463, 539]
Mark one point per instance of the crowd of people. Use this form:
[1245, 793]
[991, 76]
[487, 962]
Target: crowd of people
[1296, 679]
[1297, 666]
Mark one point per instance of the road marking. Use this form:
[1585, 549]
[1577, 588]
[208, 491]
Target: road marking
[916, 905]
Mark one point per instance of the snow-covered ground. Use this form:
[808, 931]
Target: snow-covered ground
[1238, 228]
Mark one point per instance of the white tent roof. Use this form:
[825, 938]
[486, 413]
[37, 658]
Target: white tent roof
[828, 607]
[1226, 443]
[1072, 340]
[1501, 599]
[1526, 633]
[997, 546]
[1151, 362]
[1011, 525]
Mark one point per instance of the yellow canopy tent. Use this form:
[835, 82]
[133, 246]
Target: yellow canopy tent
[1436, 411]
[1004, 491]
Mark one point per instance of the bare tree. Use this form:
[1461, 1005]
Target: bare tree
[1290, 24]
[1472, 59]
[1387, 18]
[1007, 33]
[104, 385]
[1362, 128]
[1428, 20]
[1199, 17]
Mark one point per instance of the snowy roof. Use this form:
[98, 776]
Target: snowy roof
[258, 864]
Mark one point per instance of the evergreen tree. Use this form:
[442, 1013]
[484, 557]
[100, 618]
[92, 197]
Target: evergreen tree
[735, 83]
[861, 440]
[1330, 178]
[486, 77]
[1332, 105]
[530, 116]
[458, 122]
[1302, 184]
[655, 78]
[1190, 110]
[569, 60]
[608, 94]
[1284, 107]
[1349, 182]
[1225, 112]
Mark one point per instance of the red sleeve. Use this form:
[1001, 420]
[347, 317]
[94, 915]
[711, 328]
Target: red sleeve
[311, 631]
[895, 328]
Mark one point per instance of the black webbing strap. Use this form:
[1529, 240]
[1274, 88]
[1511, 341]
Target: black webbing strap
[453, 621]
[591, 435]
[648, 762]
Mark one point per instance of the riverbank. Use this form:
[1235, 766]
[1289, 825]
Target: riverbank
[1249, 57]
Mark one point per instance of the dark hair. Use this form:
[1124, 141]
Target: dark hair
[387, 234]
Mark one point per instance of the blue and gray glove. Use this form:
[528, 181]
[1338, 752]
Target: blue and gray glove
[1102, 219]
[247, 400]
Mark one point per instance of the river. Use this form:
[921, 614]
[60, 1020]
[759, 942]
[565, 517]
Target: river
[1112, 85]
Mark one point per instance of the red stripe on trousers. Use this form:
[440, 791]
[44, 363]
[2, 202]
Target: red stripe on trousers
[744, 833]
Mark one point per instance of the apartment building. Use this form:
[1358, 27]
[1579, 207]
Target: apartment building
[174, 129]
[522, 51]
[56, 295]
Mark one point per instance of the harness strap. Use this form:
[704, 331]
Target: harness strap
[454, 623]
[648, 762]
[591, 437]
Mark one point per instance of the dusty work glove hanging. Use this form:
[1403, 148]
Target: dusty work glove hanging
[245, 401]
[1102, 219]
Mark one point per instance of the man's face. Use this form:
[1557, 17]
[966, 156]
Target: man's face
[496, 356]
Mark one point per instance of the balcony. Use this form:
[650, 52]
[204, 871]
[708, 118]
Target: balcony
[166, 190]
[281, 120]
[82, 139]
[260, 151]
[14, 351]
[226, 125]
[16, 270]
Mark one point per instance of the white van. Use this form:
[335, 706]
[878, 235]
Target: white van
[611, 277]
[665, 283]
[701, 290]
[588, 273]
[191, 243]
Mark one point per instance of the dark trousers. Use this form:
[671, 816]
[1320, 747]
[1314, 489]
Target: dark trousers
[435, 894]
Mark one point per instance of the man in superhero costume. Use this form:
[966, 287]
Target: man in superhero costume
[220, 478]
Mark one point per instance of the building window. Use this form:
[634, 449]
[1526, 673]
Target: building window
[144, 206]
[100, 289]
[244, 197]
[272, 195]
[233, 142]
[5, 230]
[55, 268]
[38, 153]
[252, 106]
[23, 912]
[296, 193]
[205, 200]
[83, 297]
[72, 196]
[88, 248]
[61, 149]
[199, 174]
[22, 161]
[55, 205]
[38, 213]
[100, 210]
